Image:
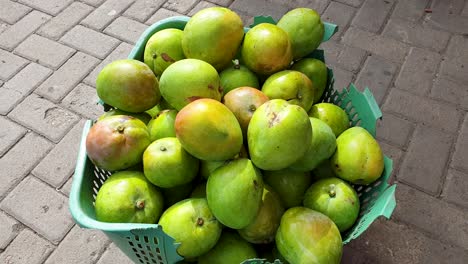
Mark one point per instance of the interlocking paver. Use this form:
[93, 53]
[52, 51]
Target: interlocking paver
[67, 77]
[121, 52]
[417, 35]
[162, 13]
[20, 160]
[458, 47]
[355, 3]
[377, 74]
[10, 133]
[448, 6]
[390, 242]
[84, 100]
[388, 48]
[21, 85]
[10, 64]
[126, 29]
[94, 3]
[89, 242]
[27, 248]
[64, 21]
[224, 3]
[261, 7]
[434, 216]
[90, 41]
[339, 14]
[114, 255]
[450, 91]
[426, 159]
[410, 10]
[66, 188]
[105, 13]
[456, 185]
[450, 23]
[59, 163]
[389, 124]
[12, 11]
[9, 228]
[201, 5]
[317, 5]
[460, 157]
[48, 215]
[44, 51]
[180, 6]
[424, 110]
[141, 10]
[342, 78]
[372, 14]
[349, 58]
[3, 26]
[394, 153]
[15, 34]
[454, 68]
[418, 71]
[44, 117]
[52, 7]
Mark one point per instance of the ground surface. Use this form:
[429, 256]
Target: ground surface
[415, 62]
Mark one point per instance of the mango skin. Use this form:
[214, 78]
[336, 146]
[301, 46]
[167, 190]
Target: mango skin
[230, 249]
[358, 158]
[306, 236]
[208, 130]
[237, 76]
[129, 85]
[317, 72]
[278, 134]
[117, 142]
[162, 125]
[333, 115]
[145, 117]
[213, 35]
[289, 185]
[234, 193]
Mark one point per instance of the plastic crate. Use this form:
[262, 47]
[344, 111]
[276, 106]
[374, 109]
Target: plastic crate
[147, 243]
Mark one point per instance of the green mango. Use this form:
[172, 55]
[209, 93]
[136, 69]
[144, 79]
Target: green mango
[289, 185]
[230, 249]
[162, 125]
[317, 72]
[333, 115]
[237, 76]
[278, 134]
[162, 49]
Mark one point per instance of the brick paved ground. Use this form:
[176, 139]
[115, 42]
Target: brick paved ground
[414, 62]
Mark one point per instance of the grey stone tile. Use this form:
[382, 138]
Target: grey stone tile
[261, 8]
[15, 34]
[180, 6]
[126, 29]
[454, 68]
[52, 7]
[9, 228]
[114, 255]
[372, 14]
[448, 6]
[141, 10]
[342, 78]
[455, 188]
[10, 64]
[84, 100]
[105, 13]
[450, 91]
[10, 133]
[12, 11]
[394, 129]
[27, 248]
[460, 157]
[201, 5]
[90, 41]
[339, 14]
[410, 10]
[448, 22]
[161, 14]
[355, 3]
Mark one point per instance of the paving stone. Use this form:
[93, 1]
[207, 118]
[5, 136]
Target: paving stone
[21, 85]
[64, 21]
[456, 185]
[450, 91]
[161, 14]
[141, 10]
[317, 5]
[355, 3]
[15, 34]
[121, 52]
[84, 100]
[52, 7]
[465, 10]
[342, 78]
[394, 129]
[10, 133]
[393, 153]
[372, 14]
[416, 34]
[44, 51]
[410, 10]
[427, 111]
[27, 248]
[66, 188]
[105, 13]
[458, 48]
[126, 29]
[418, 71]
[114, 255]
[332, 50]
[90, 41]
[377, 74]
[48, 215]
[3, 26]
[224, 3]
[201, 5]
[94, 3]
[89, 242]
[351, 58]
[389, 242]
[455, 68]
[180, 6]
[451, 23]
[436, 217]
[262, 7]
[386, 47]
[59, 163]
[44, 117]
[460, 157]
[339, 14]
[9, 228]
[12, 11]
[67, 77]
[10, 64]
[426, 159]
[448, 6]
[20, 160]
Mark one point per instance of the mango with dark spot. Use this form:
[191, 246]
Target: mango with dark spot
[358, 158]
[208, 130]
[117, 142]
[234, 193]
[278, 135]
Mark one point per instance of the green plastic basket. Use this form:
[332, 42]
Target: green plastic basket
[148, 244]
